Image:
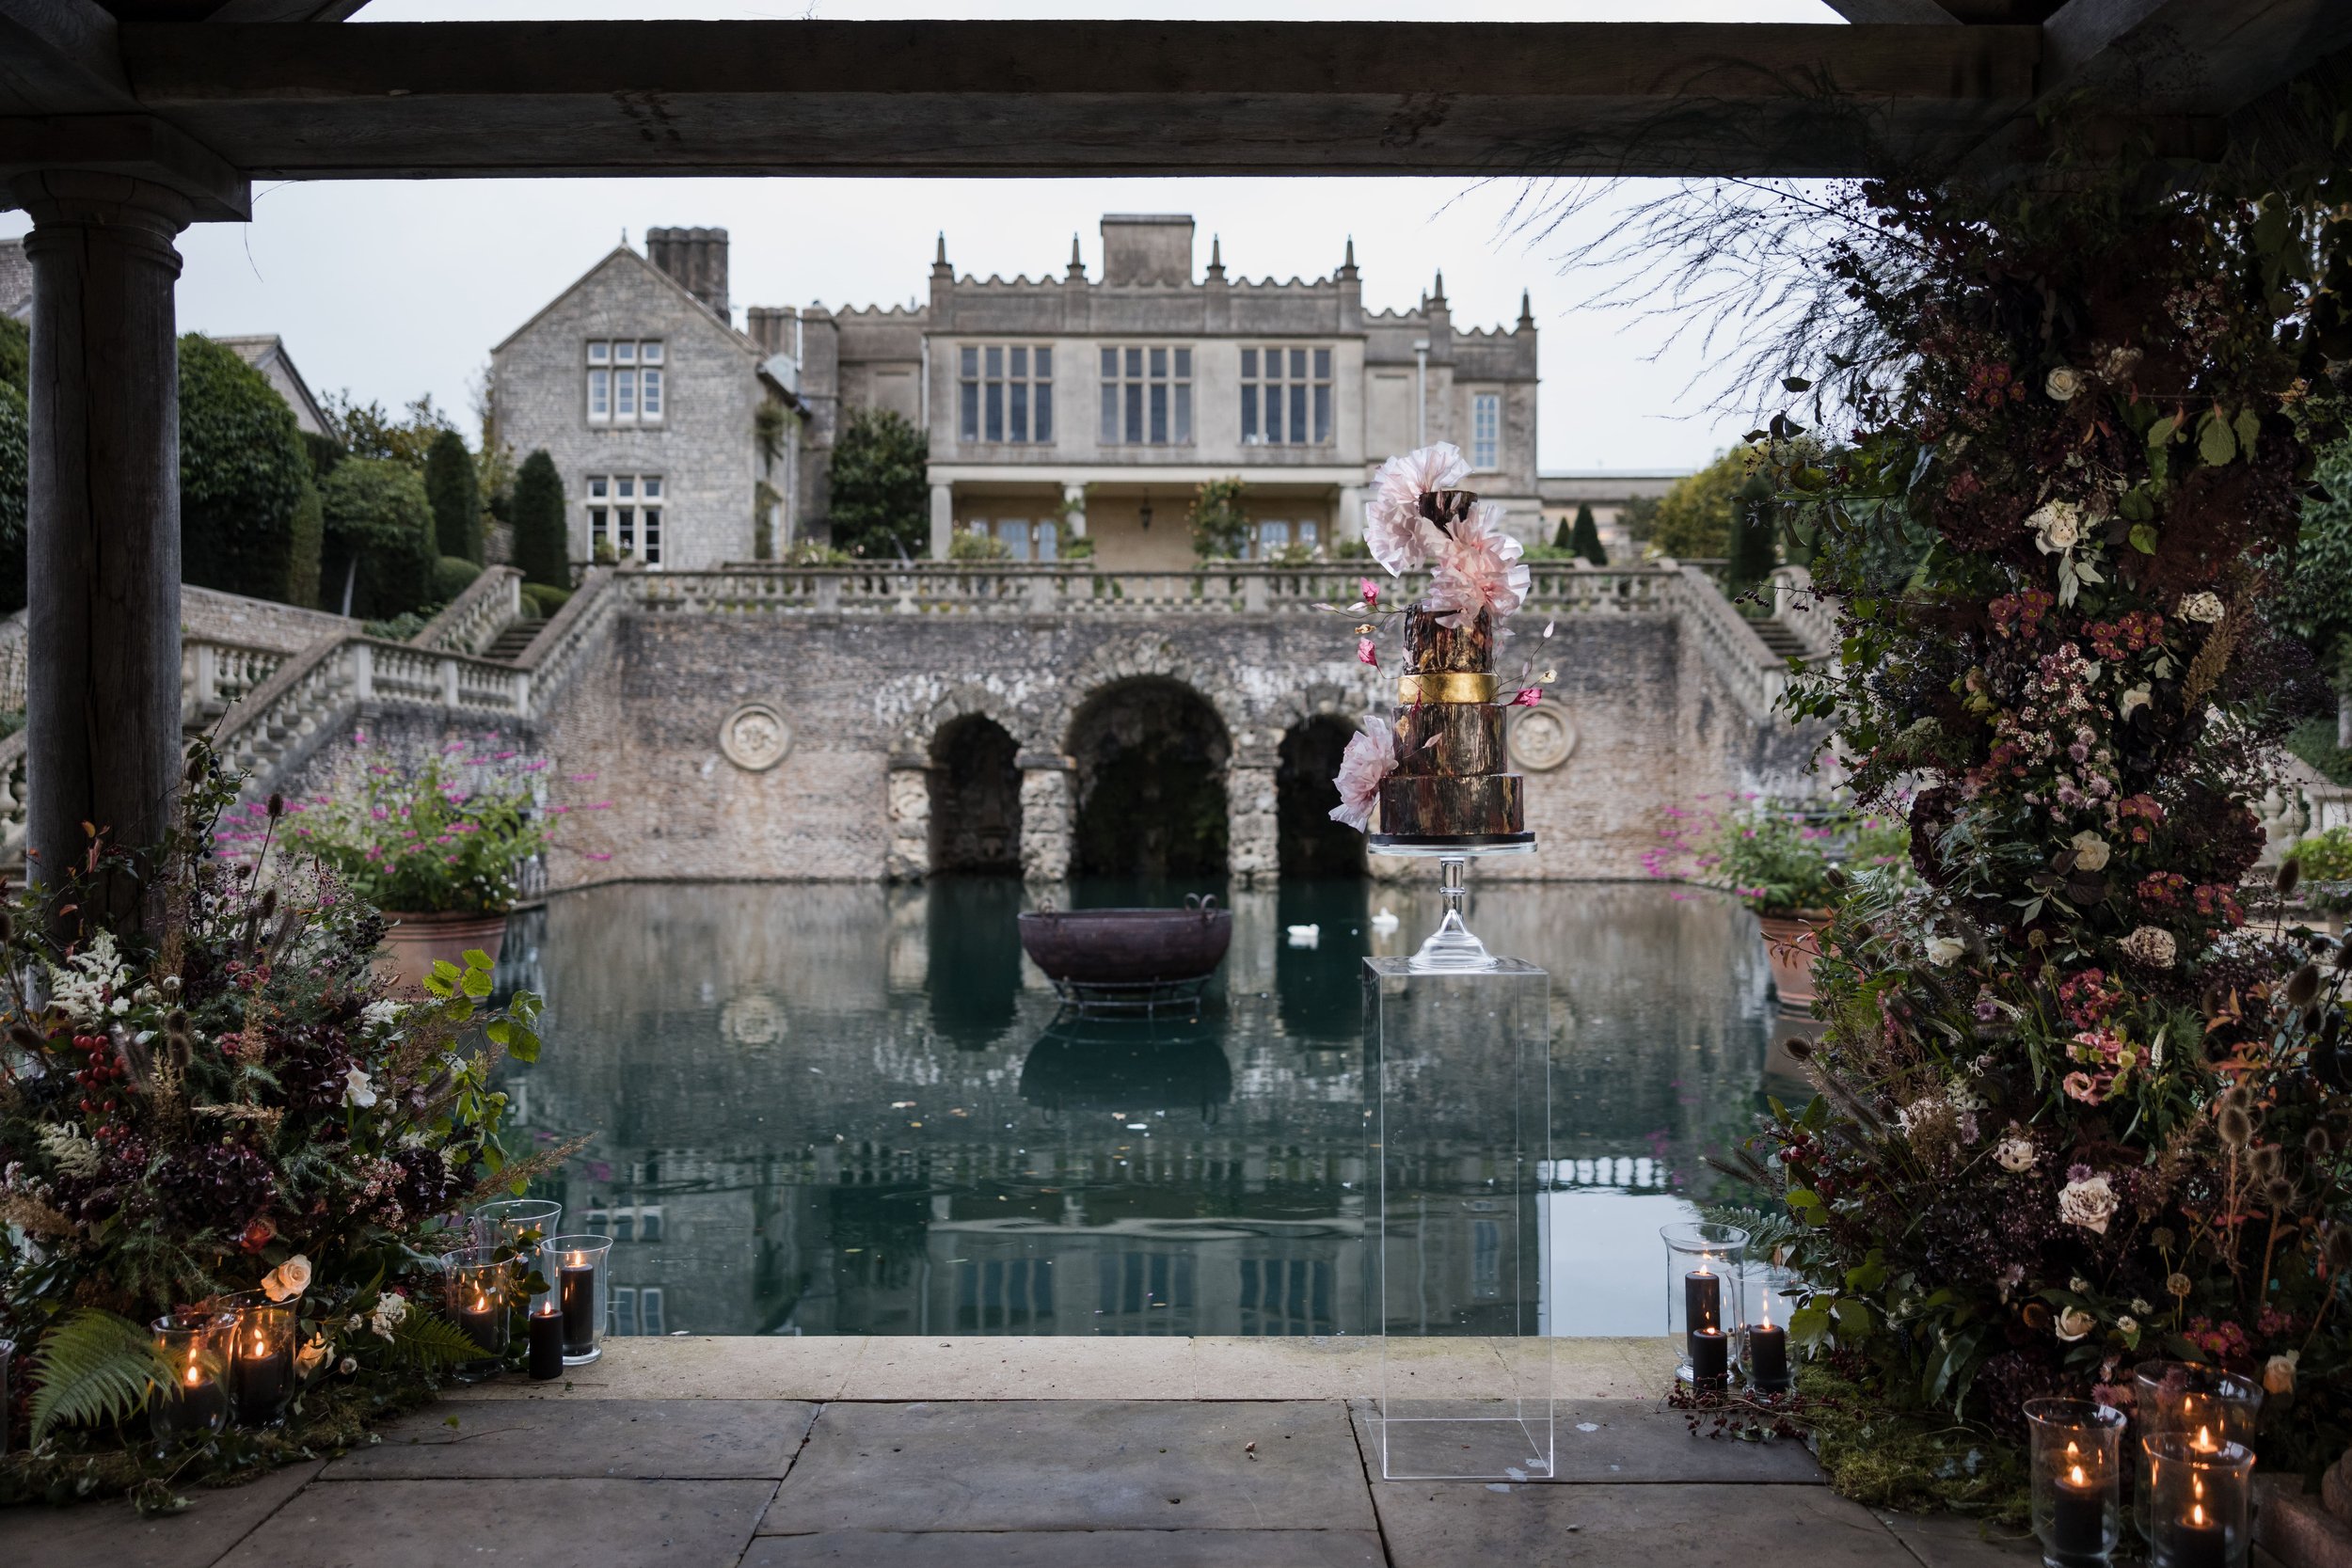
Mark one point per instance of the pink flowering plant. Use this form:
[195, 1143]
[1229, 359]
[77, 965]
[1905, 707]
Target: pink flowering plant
[450, 835]
[1778, 860]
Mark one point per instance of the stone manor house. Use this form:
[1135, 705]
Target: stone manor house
[1056, 407]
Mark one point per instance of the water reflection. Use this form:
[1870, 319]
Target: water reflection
[832, 1108]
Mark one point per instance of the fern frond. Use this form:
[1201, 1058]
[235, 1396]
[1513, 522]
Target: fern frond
[425, 1339]
[93, 1366]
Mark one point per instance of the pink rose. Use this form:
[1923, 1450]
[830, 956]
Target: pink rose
[1370, 757]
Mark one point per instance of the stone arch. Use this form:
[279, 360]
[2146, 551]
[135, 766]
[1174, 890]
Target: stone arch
[1141, 657]
[1150, 797]
[974, 786]
[1308, 843]
[912, 758]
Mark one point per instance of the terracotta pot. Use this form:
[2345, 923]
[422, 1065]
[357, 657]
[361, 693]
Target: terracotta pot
[1793, 942]
[413, 941]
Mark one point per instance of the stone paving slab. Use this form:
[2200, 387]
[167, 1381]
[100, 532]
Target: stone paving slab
[515, 1524]
[89, 1535]
[705, 1439]
[1039, 1367]
[1075, 1464]
[1624, 1443]
[1213, 1548]
[1952, 1541]
[1452, 1524]
[728, 1366]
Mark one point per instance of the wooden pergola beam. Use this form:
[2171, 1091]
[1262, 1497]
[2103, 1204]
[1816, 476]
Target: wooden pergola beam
[440, 99]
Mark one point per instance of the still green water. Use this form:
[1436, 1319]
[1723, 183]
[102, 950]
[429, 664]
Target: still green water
[851, 1109]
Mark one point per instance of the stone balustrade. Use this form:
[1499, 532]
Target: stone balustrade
[471, 622]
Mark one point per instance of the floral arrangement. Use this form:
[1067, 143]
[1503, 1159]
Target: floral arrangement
[222, 1101]
[2081, 1103]
[1776, 860]
[450, 836]
[1474, 572]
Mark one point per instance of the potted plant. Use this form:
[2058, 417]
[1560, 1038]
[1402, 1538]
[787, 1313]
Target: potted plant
[438, 848]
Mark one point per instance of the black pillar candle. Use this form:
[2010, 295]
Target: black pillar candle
[1767, 1357]
[2078, 1520]
[546, 1344]
[480, 1323]
[2195, 1541]
[1702, 1304]
[576, 1286]
[1710, 1358]
[203, 1405]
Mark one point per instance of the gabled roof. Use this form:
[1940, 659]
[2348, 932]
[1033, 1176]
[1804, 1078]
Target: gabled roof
[266, 353]
[624, 255]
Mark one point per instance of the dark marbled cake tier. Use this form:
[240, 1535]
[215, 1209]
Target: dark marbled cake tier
[1445, 806]
[1432, 649]
[1470, 739]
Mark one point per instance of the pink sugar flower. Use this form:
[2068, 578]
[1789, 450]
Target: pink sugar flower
[1370, 757]
[1479, 570]
[1527, 696]
[1399, 537]
[1366, 653]
[1369, 590]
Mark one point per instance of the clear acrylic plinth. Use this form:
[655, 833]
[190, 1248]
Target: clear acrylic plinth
[1459, 1124]
[1451, 949]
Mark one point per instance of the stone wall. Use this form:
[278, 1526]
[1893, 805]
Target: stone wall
[1647, 724]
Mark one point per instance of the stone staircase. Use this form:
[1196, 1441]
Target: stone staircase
[1782, 639]
[514, 638]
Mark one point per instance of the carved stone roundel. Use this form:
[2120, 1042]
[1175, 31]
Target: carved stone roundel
[1541, 738]
[756, 738]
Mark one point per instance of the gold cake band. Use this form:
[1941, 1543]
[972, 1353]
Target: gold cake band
[1454, 686]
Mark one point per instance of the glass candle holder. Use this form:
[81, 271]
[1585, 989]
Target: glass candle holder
[2198, 1499]
[2211, 1406]
[195, 1403]
[478, 1289]
[261, 1357]
[2077, 1481]
[517, 1224]
[1763, 1350]
[574, 1267]
[1704, 1274]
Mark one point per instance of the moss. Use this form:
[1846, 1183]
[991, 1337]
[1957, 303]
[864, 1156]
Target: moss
[1910, 1460]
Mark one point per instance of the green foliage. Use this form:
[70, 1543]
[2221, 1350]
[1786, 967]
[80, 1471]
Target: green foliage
[1221, 527]
[380, 537]
[402, 627]
[326, 451]
[451, 576]
[542, 538]
[1586, 539]
[1754, 551]
[450, 835]
[16, 354]
[243, 469]
[1692, 520]
[449, 489]
[309, 545]
[1778, 860]
[766, 498]
[808, 552]
[425, 1339]
[93, 1366]
[972, 548]
[1564, 538]
[15, 456]
[881, 487]
[2315, 741]
[369, 432]
[2317, 590]
[545, 599]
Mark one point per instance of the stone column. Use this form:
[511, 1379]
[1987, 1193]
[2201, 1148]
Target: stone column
[943, 519]
[1049, 815]
[102, 559]
[1349, 524]
[1249, 819]
[909, 800]
[1073, 501]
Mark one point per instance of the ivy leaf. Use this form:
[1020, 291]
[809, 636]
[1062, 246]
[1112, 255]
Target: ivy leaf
[2249, 428]
[2143, 539]
[2215, 445]
[476, 983]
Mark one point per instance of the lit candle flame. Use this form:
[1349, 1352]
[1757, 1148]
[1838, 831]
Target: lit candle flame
[260, 1347]
[2204, 1440]
[2072, 1451]
[2197, 1515]
[193, 1377]
[1767, 1311]
[1703, 1257]
[2079, 1478]
[481, 1302]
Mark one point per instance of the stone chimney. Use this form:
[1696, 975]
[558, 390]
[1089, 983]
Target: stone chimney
[697, 258]
[771, 326]
[1147, 247]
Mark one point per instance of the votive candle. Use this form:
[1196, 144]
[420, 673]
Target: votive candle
[546, 1344]
[1767, 1353]
[1710, 1358]
[576, 1283]
[1702, 1303]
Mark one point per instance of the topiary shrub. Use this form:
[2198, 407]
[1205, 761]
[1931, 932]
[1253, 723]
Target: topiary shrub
[448, 485]
[242, 470]
[310, 539]
[1586, 539]
[379, 556]
[545, 599]
[541, 548]
[451, 576]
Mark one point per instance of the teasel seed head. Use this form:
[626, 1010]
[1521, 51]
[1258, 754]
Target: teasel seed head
[2235, 1127]
[2290, 875]
[2303, 986]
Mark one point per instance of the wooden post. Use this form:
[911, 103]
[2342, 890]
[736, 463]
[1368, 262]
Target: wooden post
[102, 559]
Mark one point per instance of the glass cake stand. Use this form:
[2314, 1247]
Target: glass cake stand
[1451, 948]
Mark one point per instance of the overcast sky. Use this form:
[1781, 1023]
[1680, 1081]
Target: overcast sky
[392, 289]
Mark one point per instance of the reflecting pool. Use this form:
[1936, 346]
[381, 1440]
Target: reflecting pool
[852, 1108]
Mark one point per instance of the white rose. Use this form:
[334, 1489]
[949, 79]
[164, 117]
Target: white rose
[350, 1365]
[2139, 1304]
[2063, 383]
[2056, 525]
[2014, 1153]
[358, 1089]
[2088, 1203]
[2278, 1372]
[289, 1279]
[2135, 697]
[2073, 1324]
[390, 1311]
[2091, 853]
[2080, 1286]
[2202, 607]
[1943, 952]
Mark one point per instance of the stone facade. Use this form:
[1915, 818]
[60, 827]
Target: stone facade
[702, 447]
